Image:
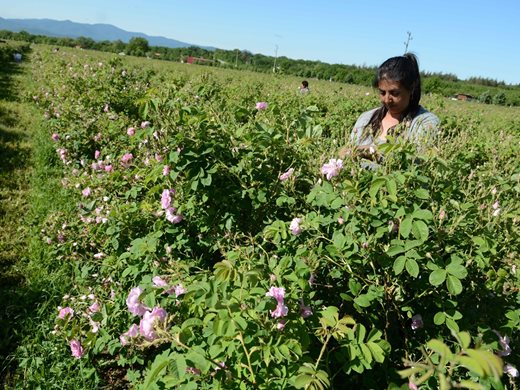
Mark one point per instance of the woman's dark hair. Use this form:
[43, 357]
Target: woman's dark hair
[405, 70]
[305, 83]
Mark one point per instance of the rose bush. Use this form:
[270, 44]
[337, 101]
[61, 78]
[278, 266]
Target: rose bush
[219, 242]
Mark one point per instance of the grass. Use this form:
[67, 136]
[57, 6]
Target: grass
[29, 191]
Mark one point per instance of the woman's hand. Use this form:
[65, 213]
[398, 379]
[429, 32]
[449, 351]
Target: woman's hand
[368, 152]
[344, 152]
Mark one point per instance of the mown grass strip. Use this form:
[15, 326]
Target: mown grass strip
[30, 191]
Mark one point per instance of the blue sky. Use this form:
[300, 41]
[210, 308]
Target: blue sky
[463, 37]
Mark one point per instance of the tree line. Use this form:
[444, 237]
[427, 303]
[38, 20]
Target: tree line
[481, 89]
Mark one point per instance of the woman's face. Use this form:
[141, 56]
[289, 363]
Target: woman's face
[394, 96]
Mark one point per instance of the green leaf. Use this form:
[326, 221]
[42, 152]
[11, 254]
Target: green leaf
[471, 364]
[336, 203]
[367, 354]
[392, 189]
[464, 338]
[363, 300]
[420, 230]
[377, 352]
[425, 215]
[439, 318]
[394, 250]
[158, 366]
[439, 347]
[467, 384]
[489, 362]
[457, 270]
[438, 277]
[421, 193]
[198, 360]
[302, 381]
[406, 226]
[206, 181]
[410, 244]
[452, 324]
[454, 285]
[412, 267]
[339, 240]
[375, 187]
[374, 335]
[399, 264]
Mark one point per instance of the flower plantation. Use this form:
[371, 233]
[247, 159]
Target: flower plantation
[214, 239]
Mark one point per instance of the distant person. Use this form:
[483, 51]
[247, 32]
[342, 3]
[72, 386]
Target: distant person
[17, 57]
[304, 88]
[400, 114]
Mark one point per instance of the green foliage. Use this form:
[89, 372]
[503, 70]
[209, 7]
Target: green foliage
[198, 225]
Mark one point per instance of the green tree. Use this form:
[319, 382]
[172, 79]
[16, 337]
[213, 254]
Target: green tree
[500, 99]
[137, 47]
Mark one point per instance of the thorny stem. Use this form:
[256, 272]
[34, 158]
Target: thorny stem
[322, 350]
[248, 356]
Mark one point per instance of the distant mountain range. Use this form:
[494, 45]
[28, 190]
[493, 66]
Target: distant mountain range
[98, 32]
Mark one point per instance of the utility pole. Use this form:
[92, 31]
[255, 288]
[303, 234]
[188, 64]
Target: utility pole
[408, 39]
[236, 60]
[275, 57]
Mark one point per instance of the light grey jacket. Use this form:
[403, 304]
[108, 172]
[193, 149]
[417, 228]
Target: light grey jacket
[423, 128]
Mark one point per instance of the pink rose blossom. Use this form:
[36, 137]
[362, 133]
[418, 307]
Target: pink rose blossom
[332, 168]
[179, 290]
[130, 131]
[76, 349]
[281, 325]
[65, 312]
[86, 192]
[134, 305]
[442, 215]
[109, 168]
[55, 137]
[277, 293]
[294, 227]
[511, 370]
[132, 333]
[94, 308]
[261, 106]
[172, 217]
[417, 322]
[305, 311]
[504, 343]
[159, 282]
[166, 170]
[280, 311]
[147, 324]
[97, 153]
[126, 159]
[166, 198]
[145, 124]
[286, 175]
[193, 371]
